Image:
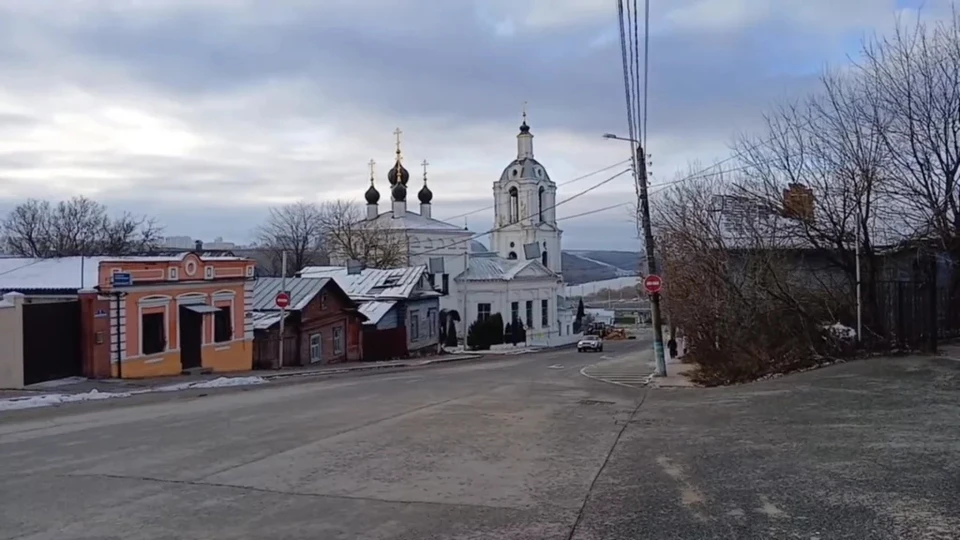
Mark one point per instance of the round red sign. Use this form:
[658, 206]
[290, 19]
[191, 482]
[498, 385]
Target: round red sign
[652, 284]
[283, 300]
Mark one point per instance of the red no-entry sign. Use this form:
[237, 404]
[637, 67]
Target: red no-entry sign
[652, 284]
[283, 300]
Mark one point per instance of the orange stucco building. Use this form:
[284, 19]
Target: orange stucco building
[163, 315]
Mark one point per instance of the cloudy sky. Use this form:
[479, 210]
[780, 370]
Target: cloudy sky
[204, 113]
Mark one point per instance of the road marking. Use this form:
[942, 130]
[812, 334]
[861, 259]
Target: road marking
[632, 375]
[555, 366]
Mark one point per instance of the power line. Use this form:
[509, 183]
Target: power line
[497, 229]
[646, 68]
[598, 210]
[568, 182]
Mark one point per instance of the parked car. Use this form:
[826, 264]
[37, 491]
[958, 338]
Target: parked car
[592, 343]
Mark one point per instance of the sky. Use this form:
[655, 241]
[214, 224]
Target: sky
[206, 113]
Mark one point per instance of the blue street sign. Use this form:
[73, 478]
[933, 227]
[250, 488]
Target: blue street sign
[122, 279]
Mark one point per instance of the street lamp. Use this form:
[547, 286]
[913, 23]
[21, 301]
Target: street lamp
[640, 175]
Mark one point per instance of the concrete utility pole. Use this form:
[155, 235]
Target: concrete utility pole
[283, 310]
[641, 177]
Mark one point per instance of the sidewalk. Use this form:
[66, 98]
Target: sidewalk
[78, 389]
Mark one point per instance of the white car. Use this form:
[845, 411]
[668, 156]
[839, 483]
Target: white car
[591, 343]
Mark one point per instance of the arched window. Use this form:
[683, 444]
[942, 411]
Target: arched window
[512, 256]
[514, 205]
[540, 203]
[543, 258]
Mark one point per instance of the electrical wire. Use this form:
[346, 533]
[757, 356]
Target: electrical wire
[568, 182]
[500, 228]
[646, 68]
[21, 267]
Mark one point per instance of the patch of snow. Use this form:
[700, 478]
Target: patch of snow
[226, 382]
[839, 331]
[504, 348]
[47, 400]
[220, 382]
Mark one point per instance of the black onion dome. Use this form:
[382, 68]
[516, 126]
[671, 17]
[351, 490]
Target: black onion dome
[372, 195]
[425, 195]
[524, 128]
[399, 192]
[392, 174]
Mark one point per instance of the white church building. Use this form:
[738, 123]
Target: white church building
[519, 277]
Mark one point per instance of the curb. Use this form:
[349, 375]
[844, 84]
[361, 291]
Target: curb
[352, 369]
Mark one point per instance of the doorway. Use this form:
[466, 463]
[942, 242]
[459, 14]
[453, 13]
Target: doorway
[191, 337]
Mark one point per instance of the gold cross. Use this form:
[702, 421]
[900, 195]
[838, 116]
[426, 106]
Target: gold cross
[524, 111]
[424, 163]
[397, 133]
[372, 163]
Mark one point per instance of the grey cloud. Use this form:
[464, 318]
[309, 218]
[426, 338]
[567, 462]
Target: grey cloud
[421, 64]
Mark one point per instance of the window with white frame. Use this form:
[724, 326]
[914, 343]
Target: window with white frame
[316, 347]
[414, 325]
[483, 312]
[173, 273]
[338, 340]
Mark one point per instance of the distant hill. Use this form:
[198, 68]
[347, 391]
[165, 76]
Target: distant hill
[583, 266]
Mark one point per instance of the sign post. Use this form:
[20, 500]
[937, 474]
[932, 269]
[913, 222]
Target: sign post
[652, 284]
[282, 300]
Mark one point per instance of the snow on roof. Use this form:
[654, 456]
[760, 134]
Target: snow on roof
[65, 273]
[414, 221]
[376, 309]
[371, 283]
[263, 320]
[497, 269]
[301, 290]
[68, 273]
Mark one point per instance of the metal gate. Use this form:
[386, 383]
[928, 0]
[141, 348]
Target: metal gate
[51, 341]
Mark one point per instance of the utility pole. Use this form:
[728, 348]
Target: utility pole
[651, 260]
[283, 310]
[640, 176]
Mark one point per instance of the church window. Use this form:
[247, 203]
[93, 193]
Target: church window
[512, 244]
[540, 202]
[514, 205]
[483, 312]
[529, 314]
[514, 311]
[543, 258]
[512, 256]
[544, 313]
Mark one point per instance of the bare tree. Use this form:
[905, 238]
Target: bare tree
[351, 237]
[296, 228]
[913, 77]
[79, 226]
[733, 284]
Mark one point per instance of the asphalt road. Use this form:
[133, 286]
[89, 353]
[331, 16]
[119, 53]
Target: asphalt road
[514, 448]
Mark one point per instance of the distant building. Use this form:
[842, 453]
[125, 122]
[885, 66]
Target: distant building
[519, 277]
[178, 242]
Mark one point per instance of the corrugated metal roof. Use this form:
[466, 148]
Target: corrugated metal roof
[497, 269]
[263, 320]
[376, 309]
[301, 290]
[371, 283]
